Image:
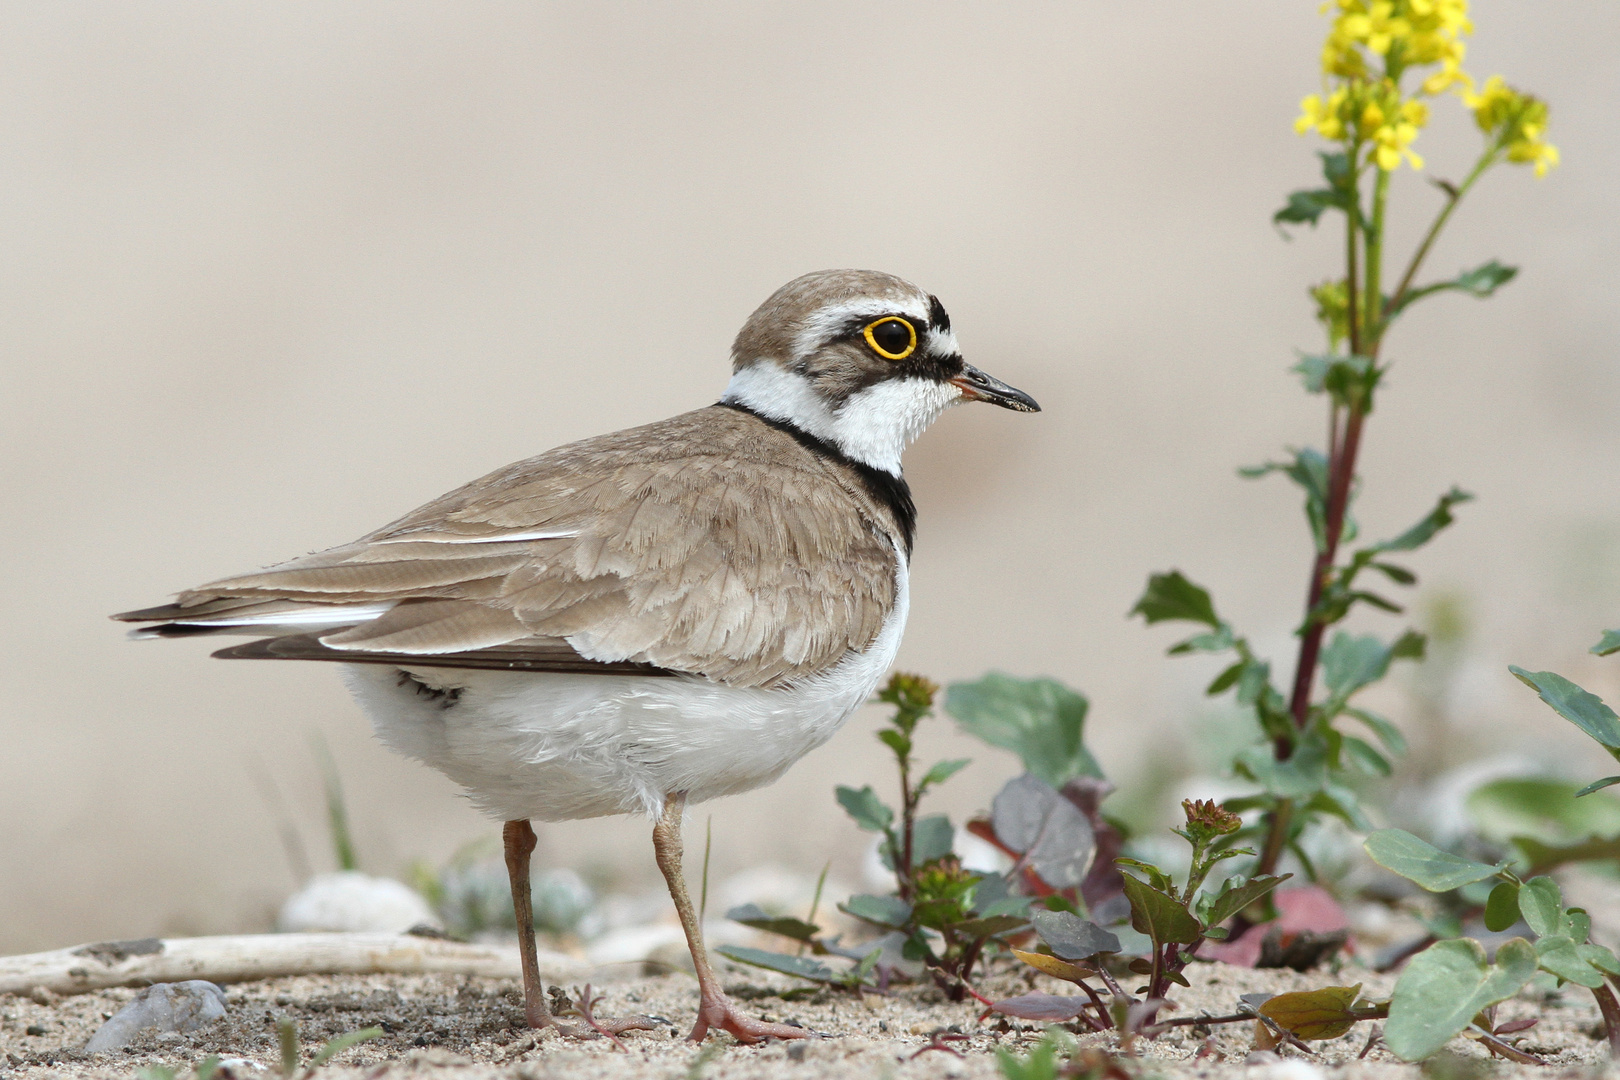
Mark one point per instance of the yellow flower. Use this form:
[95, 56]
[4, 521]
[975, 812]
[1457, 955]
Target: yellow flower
[1516, 121]
[1326, 117]
[1402, 34]
[1393, 141]
[1450, 74]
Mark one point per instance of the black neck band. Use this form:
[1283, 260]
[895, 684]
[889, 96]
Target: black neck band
[890, 490]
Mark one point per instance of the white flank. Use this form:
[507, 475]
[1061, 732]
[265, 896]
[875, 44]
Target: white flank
[559, 747]
[873, 427]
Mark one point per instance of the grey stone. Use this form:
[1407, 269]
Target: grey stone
[181, 1006]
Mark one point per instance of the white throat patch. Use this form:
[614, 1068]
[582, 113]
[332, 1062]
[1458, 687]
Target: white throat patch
[874, 425]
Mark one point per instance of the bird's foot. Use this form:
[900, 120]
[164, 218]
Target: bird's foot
[718, 1012]
[593, 1026]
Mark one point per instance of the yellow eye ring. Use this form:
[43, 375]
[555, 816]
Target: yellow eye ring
[890, 352]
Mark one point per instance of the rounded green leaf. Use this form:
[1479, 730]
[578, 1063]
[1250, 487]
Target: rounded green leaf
[1542, 905]
[1502, 907]
[1445, 985]
[1040, 720]
[1402, 853]
[1559, 955]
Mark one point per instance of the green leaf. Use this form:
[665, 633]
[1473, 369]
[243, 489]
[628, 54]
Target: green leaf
[1585, 710]
[1409, 646]
[1483, 280]
[866, 808]
[1598, 785]
[1300, 777]
[1542, 807]
[989, 926]
[1387, 733]
[898, 741]
[1158, 915]
[1040, 720]
[1171, 597]
[1424, 531]
[1364, 757]
[1437, 871]
[1599, 957]
[1349, 663]
[1542, 905]
[1445, 986]
[931, 838]
[799, 966]
[1610, 643]
[1541, 856]
[1071, 937]
[1309, 470]
[336, 1046]
[886, 911]
[1313, 370]
[1559, 956]
[287, 1042]
[1400, 575]
[941, 772]
[1214, 641]
[1157, 878]
[756, 917]
[1315, 1014]
[1225, 680]
[1304, 207]
[1237, 894]
[1479, 282]
[1502, 907]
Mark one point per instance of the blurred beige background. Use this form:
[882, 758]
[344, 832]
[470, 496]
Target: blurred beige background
[274, 273]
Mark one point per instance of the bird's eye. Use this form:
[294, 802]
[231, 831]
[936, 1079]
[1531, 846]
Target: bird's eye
[892, 337]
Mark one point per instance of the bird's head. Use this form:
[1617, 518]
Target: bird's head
[860, 359]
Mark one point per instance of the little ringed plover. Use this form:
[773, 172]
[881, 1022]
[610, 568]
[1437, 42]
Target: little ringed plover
[648, 619]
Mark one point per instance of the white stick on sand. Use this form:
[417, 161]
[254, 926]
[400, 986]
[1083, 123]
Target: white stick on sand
[240, 958]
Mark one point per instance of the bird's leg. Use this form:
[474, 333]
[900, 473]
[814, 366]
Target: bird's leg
[519, 837]
[714, 1008]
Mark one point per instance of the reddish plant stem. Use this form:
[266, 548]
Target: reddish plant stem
[1502, 1049]
[1341, 472]
[1609, 1006]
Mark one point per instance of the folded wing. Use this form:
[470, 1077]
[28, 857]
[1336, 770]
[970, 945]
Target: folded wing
[709, 544]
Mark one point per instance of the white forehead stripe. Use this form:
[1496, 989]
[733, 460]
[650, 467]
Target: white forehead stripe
[942, 343]
[833, 318]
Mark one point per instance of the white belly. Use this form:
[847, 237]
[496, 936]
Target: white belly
[559, 747]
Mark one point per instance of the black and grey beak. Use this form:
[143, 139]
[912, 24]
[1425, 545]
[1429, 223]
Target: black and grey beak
[977, 386]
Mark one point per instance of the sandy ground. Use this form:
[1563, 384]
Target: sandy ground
[464, 1027]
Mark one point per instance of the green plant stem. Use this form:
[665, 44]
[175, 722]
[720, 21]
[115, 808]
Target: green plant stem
[1341, 478]
[1453, 197]
[1277, 825]
[1375, 263]
[904, 871]
[1352, 240]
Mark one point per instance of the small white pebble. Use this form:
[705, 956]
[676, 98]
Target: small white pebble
[1285, 1069]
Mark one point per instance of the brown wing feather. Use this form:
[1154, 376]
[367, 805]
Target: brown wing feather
[709, 543]
[554, 657]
